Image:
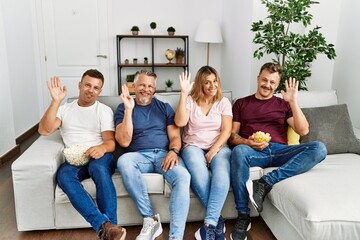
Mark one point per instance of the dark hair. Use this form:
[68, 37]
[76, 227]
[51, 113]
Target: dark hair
[145, 72]
[196, 92]
[272, 68]
[93, 73]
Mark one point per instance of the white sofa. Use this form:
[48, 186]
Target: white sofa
[320, 204]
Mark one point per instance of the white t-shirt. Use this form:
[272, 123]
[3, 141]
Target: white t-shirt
[203, 130]
[84, 125]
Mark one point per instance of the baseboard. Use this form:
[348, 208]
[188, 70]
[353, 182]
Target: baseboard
[10, 155]
[15, 151]
[23, 137]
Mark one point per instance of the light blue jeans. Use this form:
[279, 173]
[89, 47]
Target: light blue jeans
[290, 160]
[131, 165]
[69, 179]
[211, 190]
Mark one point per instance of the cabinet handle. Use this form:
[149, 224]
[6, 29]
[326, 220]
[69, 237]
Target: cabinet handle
[102, 56]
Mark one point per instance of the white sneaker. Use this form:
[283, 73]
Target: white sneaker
[151, 228]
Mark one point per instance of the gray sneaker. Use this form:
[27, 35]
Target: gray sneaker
[151, 228]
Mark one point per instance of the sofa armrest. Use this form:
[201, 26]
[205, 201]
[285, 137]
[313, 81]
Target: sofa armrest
[34, 183]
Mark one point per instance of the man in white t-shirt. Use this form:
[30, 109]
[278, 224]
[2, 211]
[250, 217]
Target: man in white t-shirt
[88, 122]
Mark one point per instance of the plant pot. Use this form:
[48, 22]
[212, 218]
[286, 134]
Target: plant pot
[179, 59]
[171, 33]
[135, 33]
[168, 89]
[130, 86]
[152, 31]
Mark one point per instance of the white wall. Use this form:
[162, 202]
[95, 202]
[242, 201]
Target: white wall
[7, 140]
[21, 68]
[346, 71]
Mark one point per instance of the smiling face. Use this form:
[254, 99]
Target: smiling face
[210, 86]
[144, 87]
[267, 83]
[89, 90]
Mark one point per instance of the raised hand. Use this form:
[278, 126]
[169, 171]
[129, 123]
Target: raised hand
[57, 92]
[128, 101]
[185, 83]
[291, 86]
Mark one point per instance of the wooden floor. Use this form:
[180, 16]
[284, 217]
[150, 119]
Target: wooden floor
[8, 231]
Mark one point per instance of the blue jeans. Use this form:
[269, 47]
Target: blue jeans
[69, 179]
[211, 190]
[290, 160]
[131, 165]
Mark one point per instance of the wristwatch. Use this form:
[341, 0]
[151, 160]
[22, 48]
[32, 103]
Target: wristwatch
[175, 151]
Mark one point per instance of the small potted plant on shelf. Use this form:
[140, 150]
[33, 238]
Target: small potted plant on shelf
[135, 60]
[168, 84]
[179, 55]
[146, 60]
[171, 31]
[126, 61]
[153, 27]
[135, 30]
[130, 82]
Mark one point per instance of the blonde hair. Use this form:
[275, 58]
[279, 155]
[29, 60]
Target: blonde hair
[196, 92]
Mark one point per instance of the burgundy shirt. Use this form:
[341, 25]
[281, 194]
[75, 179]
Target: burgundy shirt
[268, 115]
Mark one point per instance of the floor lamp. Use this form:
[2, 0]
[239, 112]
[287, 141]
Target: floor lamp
[208, 32]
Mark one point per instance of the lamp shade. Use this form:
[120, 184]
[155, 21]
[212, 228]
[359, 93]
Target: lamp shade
[209, 32]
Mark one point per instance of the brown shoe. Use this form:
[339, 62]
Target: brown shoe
[110, 231]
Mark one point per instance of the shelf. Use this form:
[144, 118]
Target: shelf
[152, 44]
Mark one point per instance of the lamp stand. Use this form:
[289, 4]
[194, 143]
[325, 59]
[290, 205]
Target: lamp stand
[208, 51]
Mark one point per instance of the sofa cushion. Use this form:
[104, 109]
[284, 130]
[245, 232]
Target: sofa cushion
[323, 202]
[154, 183]
[332, 126]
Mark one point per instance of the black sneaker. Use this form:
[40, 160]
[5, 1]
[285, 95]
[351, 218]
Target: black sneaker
[257, 189]
[242, 226]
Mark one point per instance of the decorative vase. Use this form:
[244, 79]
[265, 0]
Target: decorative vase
[179, 59]
[152, 31]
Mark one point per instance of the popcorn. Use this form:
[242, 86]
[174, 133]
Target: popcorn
[75, 155]
[260, 137]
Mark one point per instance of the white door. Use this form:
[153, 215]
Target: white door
[75, 39]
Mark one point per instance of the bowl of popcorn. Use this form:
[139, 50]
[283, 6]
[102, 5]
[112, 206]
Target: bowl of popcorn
[75, 154]
[261, 137]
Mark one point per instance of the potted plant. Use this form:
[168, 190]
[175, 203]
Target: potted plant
[153, 27]
[179, 55]
[168, 84]
[146, 60]
[130, 82]
[135, 60]
[171, 31]
[294, 52]
[126, 61]
[135, 30]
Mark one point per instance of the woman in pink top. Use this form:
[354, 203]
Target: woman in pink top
[206, 117]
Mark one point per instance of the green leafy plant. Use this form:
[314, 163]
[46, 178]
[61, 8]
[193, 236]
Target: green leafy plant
[153, 25]
[179, 52]
[169, 83]
[294, 52]
[171, 29]
[135, 28]
[130, 78]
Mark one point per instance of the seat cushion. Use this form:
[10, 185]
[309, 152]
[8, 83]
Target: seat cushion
[322, 203]
[154, 182]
